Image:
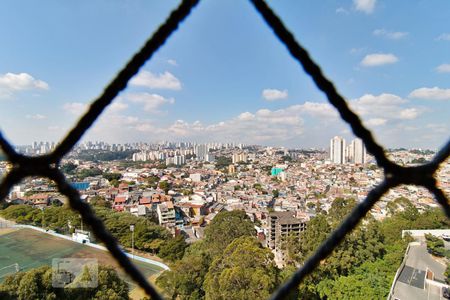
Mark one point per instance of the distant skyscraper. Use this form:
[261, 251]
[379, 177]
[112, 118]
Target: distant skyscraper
[337, 150]
[201, 151]
[359, 151]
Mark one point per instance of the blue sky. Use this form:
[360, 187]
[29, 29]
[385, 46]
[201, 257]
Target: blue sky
[223, 76]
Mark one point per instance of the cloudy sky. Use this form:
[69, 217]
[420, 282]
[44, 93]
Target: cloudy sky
[223, 76]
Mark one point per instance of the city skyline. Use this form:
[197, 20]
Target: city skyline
[191, 143]
[207, 81]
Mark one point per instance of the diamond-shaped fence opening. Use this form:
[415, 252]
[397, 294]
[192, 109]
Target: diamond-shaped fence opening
[395, 175]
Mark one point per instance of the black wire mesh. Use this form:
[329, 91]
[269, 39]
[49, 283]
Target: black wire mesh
[47, 165]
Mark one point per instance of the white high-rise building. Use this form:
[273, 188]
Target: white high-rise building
[201, 151]
[210, 157]
[337, 150]
[359, 151]
[350, 152]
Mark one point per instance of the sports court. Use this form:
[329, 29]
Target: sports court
[30, 249]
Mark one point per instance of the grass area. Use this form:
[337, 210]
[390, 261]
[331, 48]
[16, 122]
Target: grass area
[31, 249]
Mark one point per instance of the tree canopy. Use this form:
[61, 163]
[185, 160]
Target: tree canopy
[245, 270]
[364, 264]
[226, 227]
[186, 277]
[37, 284]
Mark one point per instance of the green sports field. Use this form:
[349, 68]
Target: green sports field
[31, 249]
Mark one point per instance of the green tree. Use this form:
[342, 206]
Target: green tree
[340, 208]
[82, 174]
[114, 182]
[152, 181]
[165, 186]
[349, 287]
[187, 192]
[222, 162]
[435, 245]
[447, 274]
[257, 186]
[99, 201]
[37, 284]
[226, 227]
[276, 193]
[185, 278]
[245, 271]
[110, 285]
[316, 232]
[68, 168]
[112, 176]
[173, 249]
[286, 158]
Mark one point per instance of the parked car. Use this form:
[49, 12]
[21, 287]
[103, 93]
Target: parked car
[445, 292]
[446, 237]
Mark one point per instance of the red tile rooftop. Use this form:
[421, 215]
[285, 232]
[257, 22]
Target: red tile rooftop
[120, 199]
[144, 200]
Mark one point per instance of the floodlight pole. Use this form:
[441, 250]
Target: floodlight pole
[43, 218]
[132, 240]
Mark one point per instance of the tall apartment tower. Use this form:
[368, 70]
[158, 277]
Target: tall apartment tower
[337, 150]
[201, 151]
[359, 151]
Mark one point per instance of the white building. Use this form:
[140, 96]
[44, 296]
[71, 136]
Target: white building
[166, 213]
[177, 160]
[358, 151]
[337, 150]
[210, 157]
[201, 151]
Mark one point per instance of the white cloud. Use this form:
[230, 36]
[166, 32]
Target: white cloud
[409, 113]
[21, 81]
[341, 10]
[117, 105]
[444, 68]
[366, 6]
[172, 62]
[165, 80]
[274, 94]
[443, 37]
[151, 102]
[375, 122]
[10, 83]
[112, 126]
[246, 116]
[384, 106]
[316, 109]
[380, 100]
[378, 59]
[75, 108]
[393, 35]
[433, 93]
[36, 117]
[262, 126]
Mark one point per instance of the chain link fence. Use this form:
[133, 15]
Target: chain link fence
[48, 165]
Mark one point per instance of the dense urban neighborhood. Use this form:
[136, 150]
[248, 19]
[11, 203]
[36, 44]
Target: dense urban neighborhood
[174, 192]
